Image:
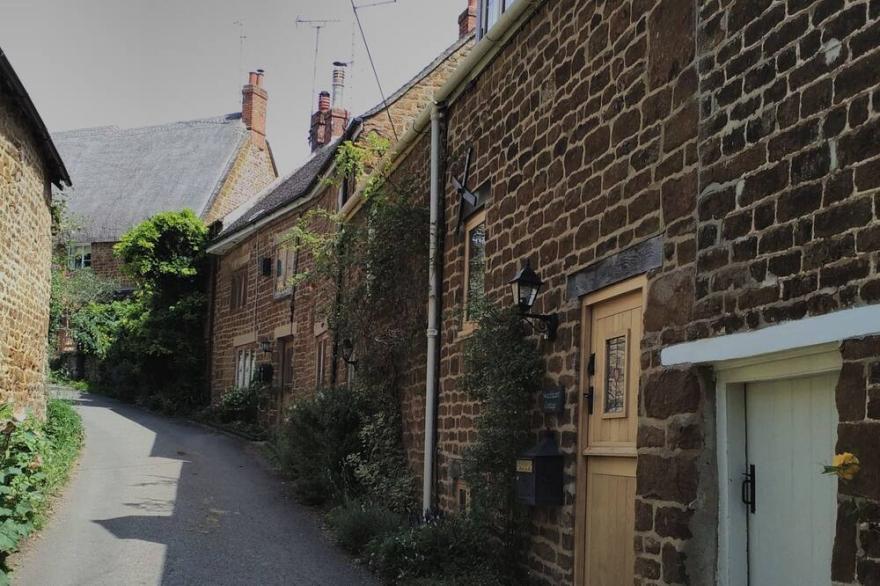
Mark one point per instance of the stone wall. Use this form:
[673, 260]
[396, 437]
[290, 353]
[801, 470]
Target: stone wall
[744, 134]
[107, 265]
[25, 258]
[252, 171]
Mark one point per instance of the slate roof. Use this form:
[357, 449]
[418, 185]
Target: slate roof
[281, 192]
[123, 176]
[299, 183]
[10, 84]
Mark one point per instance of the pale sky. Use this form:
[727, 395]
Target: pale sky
[142, 62]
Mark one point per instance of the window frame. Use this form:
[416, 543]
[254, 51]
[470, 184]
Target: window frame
[321, 360]
[473, 221]
[245, 367]
[238, 289]
[79, 256]
[286, 250]
[483, 16]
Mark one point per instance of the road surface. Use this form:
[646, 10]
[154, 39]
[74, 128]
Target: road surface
[160, 501]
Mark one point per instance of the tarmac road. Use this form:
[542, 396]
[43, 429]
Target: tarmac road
[163, 501]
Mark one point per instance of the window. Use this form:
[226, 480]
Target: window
[285, 263]
[287, 364]
[489, 12]
[614, 401]
[238, 289]
[245, 362]
[475, 267]
[321, 361]
[345, 189]
[79, 256]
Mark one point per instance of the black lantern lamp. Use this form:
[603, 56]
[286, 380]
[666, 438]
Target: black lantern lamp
[348, 352]
[266, 345]
[526, 285]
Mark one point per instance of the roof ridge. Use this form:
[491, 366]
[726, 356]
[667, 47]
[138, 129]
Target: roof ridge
[92, 130]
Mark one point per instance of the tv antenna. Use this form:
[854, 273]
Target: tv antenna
[317, 24]
[241, 39]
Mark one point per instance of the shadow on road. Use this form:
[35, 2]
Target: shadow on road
[221, 516]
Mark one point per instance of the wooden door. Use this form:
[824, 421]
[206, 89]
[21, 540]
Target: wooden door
[613, 333]
[791, 431]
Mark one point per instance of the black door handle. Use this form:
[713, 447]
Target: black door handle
[748, 488]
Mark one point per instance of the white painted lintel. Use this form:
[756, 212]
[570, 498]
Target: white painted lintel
[810, 331]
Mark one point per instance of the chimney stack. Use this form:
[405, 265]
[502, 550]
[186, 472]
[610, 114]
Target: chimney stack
[467, 20]
[253, 108]
[331, 118]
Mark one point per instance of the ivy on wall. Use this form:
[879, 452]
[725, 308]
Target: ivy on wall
[502, 370]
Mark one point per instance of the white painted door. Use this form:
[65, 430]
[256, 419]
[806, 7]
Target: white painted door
[791, 433]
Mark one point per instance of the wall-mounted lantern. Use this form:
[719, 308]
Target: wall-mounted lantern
[348, 353]
[526, 285]
[266, 345]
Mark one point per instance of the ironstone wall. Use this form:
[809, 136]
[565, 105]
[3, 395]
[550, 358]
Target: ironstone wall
[745, 134]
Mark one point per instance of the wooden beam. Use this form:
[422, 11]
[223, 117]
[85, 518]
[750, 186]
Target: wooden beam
[635, 260]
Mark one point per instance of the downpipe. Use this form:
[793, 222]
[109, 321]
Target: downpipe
[432, 370]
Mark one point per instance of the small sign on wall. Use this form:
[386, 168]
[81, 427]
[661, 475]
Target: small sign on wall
[553, 400]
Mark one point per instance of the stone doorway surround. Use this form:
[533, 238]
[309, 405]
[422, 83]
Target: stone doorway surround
[798, 348]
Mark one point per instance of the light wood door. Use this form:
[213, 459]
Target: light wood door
[791, 432]
[615, 333]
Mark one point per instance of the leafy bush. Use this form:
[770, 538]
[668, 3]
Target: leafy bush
[315, 442]
[239, 404]
[355, 524]
[35, 459]
[343, 443]
[448, 550]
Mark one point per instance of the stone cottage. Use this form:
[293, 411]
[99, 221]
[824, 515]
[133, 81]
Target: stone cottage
[697, 186]
[258, 318]
[29, 166]
[124, 176]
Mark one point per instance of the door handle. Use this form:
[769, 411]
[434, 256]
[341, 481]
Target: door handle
[588, 396]
[748, 488]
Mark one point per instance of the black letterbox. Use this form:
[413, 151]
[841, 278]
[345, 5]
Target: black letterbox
[539, 473]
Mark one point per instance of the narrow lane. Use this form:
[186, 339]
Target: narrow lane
[160, 501]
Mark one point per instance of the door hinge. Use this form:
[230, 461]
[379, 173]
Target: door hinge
[591, 365]
[588, 397]
[748, 488]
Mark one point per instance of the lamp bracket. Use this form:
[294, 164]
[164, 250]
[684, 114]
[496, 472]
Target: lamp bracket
[547, 324]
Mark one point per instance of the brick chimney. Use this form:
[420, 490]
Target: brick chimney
[331, 119]
[467, 20]
[253, 108]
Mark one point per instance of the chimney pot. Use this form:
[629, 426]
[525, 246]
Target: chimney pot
[338, 84]
[324, 102]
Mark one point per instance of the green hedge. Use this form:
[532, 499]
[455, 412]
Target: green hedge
[35, 461]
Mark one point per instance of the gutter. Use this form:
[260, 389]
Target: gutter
[477, 60]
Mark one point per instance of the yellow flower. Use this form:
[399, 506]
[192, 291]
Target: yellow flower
[845, 466]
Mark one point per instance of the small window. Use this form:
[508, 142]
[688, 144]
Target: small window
[287, 364]
[285, 261]
[245, 362]
[489, 12]
[79, 256]
[345, 189]
[475, 267]
[614, 399]
[321, 361]
[238, 289]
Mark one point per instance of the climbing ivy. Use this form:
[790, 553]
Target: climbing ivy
[371, 270]
[502, 369]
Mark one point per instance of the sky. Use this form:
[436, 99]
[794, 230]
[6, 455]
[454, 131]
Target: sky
[136, 63]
